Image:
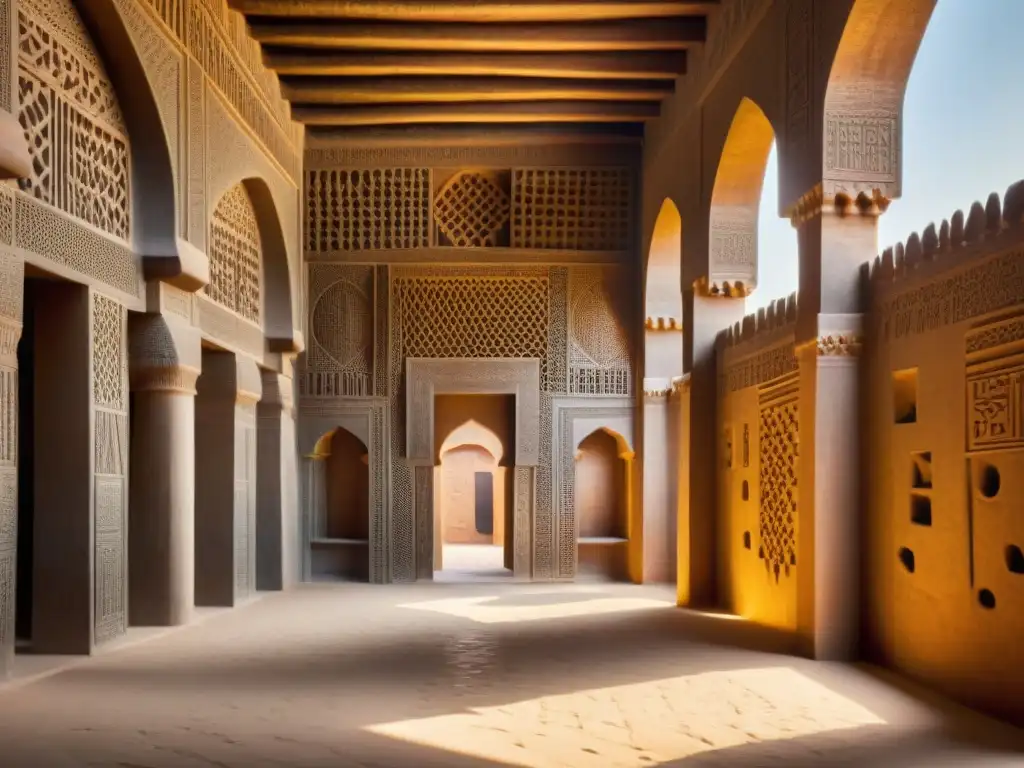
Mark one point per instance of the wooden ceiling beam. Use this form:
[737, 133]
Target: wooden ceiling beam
[340, 90]
[497, 134]
[618, 66]
[498, 112]
[638, 35]
[479, 11]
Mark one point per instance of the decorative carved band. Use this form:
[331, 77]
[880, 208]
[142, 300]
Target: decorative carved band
[663, 324]
[839, 345]
[766, 365]
[713, 289]
[179, 378]
[815, 202]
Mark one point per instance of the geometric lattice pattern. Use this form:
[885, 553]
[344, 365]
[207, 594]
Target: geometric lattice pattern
[586, 209]
[779, 450]
[368, 210]
[599, 361]
[235, 255]
[473, 316]
[472, 209]
[109, 353]
[69, 113]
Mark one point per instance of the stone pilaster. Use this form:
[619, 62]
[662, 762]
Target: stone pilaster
[836, 237]
[227, 393]
[658, 515]
[164, 366]
[706, 311]
[278, 537]
[10, 333]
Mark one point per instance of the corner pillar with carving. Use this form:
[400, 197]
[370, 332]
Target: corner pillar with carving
[164, 360]
[836, 235]
[227, 393]
[278, 538]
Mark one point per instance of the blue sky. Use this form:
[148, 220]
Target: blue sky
[963, 132]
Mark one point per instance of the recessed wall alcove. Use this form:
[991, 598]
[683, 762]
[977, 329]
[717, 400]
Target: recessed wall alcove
[340, 520]
[601, 496]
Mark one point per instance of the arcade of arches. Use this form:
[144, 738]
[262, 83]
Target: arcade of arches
[305, 291]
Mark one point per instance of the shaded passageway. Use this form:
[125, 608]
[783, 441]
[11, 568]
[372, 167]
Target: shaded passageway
[478, 675]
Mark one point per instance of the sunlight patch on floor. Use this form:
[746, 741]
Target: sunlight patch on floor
[642, 724]
[478, 609]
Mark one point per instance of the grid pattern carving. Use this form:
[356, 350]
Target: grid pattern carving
[235, 255]
[360, 210]
[472, 210]
[543, 532]
[599, 360]
[779, 450]
[71, 119]
[558, 331]
[338, 362]
[585, 209]
[378, 517]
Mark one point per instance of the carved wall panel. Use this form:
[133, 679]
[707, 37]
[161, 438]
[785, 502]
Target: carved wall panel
[70, 115]
[339, 358]
[245, 499]
[9, 334]
[862, 147]
[110, 401]
[235, 255]
[586, 209]
[472, 210]
[599, 354]
[779, 442]
[360, 210]
[995, 385]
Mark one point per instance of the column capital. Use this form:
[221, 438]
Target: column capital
[817, 202]
[169, 378]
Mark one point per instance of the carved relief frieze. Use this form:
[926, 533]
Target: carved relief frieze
[762, 367]
[799, 76]
[325, 153]
[861, 153]
[839, 345]
[995, 384]
[990, 285]
[196, 116]
[733, 241]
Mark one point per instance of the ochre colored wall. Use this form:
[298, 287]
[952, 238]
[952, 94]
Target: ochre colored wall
[929, 484]
[458, 496]
[348, 487]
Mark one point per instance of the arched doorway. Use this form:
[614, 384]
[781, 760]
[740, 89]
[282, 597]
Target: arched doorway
[472, 487]
[340, 523]
[602, 507]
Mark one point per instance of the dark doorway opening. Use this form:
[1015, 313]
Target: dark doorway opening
[26, 467]
[483, 490]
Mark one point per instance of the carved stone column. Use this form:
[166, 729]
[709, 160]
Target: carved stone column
[163, 372]
[10, 333]
[706, 311]
[227, 393]
[277, 526]
[836, 238]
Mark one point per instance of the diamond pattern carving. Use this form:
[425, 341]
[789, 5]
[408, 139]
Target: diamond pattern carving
[235, 255]
[779, 449]
[472, 209]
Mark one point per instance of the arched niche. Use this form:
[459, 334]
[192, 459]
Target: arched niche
[663, 351]
[471, 496]
[340, 524]
[736, 201]
[249, 263]
[862, 146]
[602, 504]
[154, 204]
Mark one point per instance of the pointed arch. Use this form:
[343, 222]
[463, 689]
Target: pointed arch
[249, 263]
[473, 433]
[663, 298]
[862, 152]
[736, 201]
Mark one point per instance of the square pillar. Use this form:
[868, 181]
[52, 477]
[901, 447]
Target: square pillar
[703, 317]
[278, 535]
[658, 530]
[10, 333]
[835, 240]
[227, 393]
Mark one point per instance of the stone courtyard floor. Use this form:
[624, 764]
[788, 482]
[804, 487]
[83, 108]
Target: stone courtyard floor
[473, 675]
